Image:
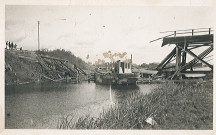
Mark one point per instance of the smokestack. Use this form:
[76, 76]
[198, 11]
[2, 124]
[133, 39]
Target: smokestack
[131, 58]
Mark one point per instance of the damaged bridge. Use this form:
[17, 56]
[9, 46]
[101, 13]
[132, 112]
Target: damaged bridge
[56, 69]
[186, 43]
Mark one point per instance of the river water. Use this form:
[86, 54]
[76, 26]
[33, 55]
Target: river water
[42, 105]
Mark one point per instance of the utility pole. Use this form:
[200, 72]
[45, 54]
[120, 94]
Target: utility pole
[38, 36]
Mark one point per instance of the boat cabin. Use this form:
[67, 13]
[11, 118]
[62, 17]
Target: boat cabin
[123, 67]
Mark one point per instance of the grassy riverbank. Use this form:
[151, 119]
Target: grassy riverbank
[186, 105]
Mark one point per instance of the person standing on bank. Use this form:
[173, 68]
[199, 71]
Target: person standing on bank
[9, 45]
[12, 45]
[15, 46]
[6, 45]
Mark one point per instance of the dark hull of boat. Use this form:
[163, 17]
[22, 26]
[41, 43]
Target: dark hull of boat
[103, 78]
[120, 79]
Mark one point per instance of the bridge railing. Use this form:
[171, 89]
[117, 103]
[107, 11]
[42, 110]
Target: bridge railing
[190, 32]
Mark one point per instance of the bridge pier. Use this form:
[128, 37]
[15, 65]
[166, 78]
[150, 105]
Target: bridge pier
[183, 46]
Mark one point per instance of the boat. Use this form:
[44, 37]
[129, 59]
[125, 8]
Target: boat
[120, 74]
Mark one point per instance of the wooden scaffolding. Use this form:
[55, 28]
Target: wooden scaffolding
[186, 41]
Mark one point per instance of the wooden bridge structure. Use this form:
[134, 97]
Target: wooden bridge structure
[56, 69]
[186, 41]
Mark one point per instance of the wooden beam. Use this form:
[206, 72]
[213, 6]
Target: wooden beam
[189, 39]
[184, 55]
[191, 72]
[201, 56]
[195, 56]
[167, 58]
[178, 57]
[206, 42]
[194, 47]
[200, 44]
[169, 67]
[197, 72]
[168, 61]
[179, 62]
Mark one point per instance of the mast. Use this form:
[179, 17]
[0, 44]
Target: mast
[38, 36]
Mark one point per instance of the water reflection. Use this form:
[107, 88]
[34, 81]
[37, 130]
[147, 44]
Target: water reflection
[40, 105]
[125, 87]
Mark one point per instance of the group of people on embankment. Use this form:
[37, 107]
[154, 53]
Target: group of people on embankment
[11, 45]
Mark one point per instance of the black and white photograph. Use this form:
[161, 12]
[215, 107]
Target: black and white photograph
[108, 67]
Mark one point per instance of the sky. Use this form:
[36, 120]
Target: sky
[92, 30]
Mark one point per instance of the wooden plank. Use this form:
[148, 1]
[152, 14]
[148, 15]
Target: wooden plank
[207, 31]
[73, 72]
[80, 70]
[42, 63]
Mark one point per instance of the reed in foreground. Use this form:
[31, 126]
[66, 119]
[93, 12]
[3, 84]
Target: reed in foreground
[187, 105]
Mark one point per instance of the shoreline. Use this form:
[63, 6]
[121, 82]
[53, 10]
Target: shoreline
[146, 82]
[187, 105]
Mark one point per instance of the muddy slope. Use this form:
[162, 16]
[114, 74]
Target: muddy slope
[20, 69]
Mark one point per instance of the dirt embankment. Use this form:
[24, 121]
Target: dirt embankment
[20, 69]
[21, 66]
